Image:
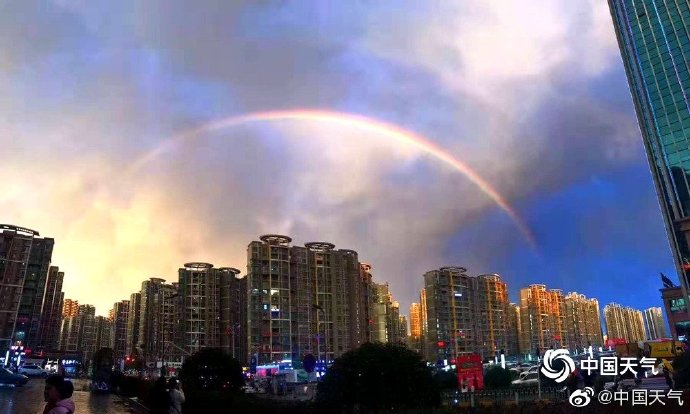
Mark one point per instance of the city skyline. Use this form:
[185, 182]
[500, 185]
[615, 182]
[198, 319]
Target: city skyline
[545, 121]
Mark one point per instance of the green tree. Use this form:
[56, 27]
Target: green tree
[377, 377]
[497, 377]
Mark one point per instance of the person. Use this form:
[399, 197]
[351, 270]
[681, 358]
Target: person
[176, 396]
[668, 373]
[61, 369]
[160, 399]
[57, 395]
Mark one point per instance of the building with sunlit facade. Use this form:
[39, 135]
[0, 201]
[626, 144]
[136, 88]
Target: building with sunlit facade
[491, 301]
[542, 319]
[415, 337]
[582, 322]
[623, 323]
[655, 46]
[654, 325]
[119, 314]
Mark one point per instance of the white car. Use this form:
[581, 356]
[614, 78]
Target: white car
[32, 370]
[528, 380]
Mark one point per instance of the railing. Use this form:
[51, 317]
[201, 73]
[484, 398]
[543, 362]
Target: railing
[515, 395]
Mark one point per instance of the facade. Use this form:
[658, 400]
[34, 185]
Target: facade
[450, 305]
[623, 323]
[233, 314]
[15, 250]
[491, 301]
[78, 333]
[133, 318]
[425, 328]
[364, 296]
[655, 46]
[120, 313]
[542, 319]
[303, 300]
[654, 326]
[677, 311]
[582, 322]
[415, 338]
[51, 317]
[157, 318]
[87, 334]
[199, 306]
[103, 335]
[28, 328]
[513, 330]
[70, 308]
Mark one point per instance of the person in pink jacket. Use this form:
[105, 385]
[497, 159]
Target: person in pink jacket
[57, 394]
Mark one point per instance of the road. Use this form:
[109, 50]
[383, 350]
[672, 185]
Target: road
[29, 400]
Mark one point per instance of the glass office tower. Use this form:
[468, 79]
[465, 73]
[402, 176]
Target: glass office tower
[654, 39]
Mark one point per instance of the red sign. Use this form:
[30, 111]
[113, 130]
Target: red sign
[615, 341]
[441, 344]
[470, 372]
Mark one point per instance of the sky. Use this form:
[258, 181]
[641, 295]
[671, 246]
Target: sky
[530, 94]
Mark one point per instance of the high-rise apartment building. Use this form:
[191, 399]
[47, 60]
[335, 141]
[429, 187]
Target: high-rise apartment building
[491, 301]
[133, 319]
[450, 310]
[120, 313]
[623, 323]
[655, 46]
[233, 313]
[385, 315]
[654, 325]
[15, 251]
[103, 336]
[582, 322]
[513, 330]
[87, 334]
[300, 300]
[158, 319]
[364, 296]
[415, 314]
[28, 327]
[70, 308]
[78, 333]
[542, 319]
[425, 327]
[199, 304]
[51, 317]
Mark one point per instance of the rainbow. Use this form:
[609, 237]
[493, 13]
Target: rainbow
[377, 127]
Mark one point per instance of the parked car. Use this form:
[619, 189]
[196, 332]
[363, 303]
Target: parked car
[32, 370]
[8, 377]
[528, 380]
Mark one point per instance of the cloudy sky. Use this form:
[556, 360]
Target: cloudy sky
[529, 94]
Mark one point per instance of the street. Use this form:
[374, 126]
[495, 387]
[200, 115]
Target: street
[29, 400]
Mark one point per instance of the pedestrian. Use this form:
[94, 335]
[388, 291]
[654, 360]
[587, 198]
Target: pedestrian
[176, 396]
[61, 368]
[57, 395]
[159, 398]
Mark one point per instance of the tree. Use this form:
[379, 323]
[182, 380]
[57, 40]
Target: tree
[211, 379]
[497, 377]
[446, 380]
[378, 377]
[212, 369]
